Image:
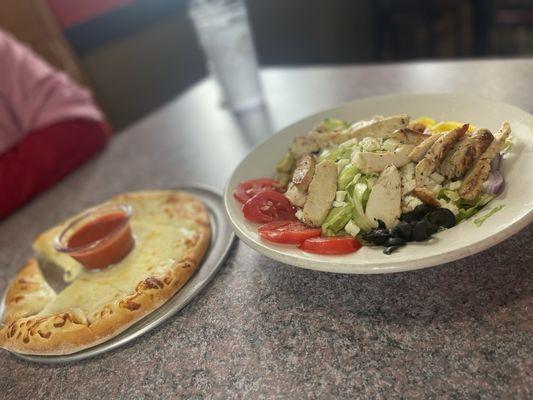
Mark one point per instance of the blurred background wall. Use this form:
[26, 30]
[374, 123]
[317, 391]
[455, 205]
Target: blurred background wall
[139, 54]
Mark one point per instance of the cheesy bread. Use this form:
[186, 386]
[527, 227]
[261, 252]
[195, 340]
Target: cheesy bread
[171, 231]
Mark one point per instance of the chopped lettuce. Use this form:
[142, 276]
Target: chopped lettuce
[370, 144]
[448, 194]
[336, 219]
[362, 192]
[453, 185]
[351, 143]
[344, 153]
[331, 124]
[371, 180]
[350, 186]
[346, 176]
[284, 168]
[465, 213]
[359, 198]
[341, 164]
[480, 201]
[328, 154]
[469, 209]
[484, 199]
[483, 218]
[335, 153]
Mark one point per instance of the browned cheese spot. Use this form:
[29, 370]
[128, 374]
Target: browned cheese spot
[44, 335]
[12, 330]
[152, 283]
[16, 299]
[192, 240]
[60, 323]
[130, 305]
[106, 311]
[172, 199]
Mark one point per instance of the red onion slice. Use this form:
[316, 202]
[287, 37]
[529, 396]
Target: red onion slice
[494, 183]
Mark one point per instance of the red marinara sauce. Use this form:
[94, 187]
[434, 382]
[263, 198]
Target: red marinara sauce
[99, 238]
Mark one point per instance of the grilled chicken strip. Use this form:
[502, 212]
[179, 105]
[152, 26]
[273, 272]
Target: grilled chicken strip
[385, 199]
[302, 145]
[426, 196]
[369, 162]
[459, 159]
[305, 169]
[295, 195]
[464, 153]
[481, 138]
[321, 193]
[379, 128]
[436, 154]
[417, 126]
[409, 136]
[473, 181]
[420, 151]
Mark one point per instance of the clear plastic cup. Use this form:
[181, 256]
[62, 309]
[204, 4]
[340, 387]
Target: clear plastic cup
[99, 237]
[224, 32]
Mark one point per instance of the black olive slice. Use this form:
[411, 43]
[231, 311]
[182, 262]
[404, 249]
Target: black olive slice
[442, 217]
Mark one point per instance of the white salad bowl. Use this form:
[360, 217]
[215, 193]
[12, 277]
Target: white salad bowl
[460, 241]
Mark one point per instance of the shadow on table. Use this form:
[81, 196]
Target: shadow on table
[470, 289]
[255, 125]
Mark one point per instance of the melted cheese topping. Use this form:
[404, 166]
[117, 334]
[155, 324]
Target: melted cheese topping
[83, 295]
[160, 240]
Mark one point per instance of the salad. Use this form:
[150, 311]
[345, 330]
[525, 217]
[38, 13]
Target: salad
[383, 182]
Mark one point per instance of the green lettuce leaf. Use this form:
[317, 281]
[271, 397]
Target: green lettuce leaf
[336, 219]
[346, 176]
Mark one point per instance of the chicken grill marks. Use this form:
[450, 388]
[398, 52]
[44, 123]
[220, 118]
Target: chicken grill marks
[463, 155]
[436, 153]
[473, 182]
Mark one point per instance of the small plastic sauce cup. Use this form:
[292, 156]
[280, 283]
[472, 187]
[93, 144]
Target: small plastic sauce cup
[99, 237]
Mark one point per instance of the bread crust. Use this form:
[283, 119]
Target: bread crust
[28, 293]
[73, 331]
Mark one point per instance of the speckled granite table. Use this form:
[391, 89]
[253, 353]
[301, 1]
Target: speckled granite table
[261, 329]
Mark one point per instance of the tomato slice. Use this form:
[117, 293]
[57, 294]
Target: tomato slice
[331, 245]
[268, 206]
[248, 189]
[287, 231]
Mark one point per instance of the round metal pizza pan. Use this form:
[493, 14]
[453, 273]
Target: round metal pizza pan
[222, 239]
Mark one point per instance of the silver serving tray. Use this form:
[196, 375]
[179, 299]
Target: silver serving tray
[221, 241]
